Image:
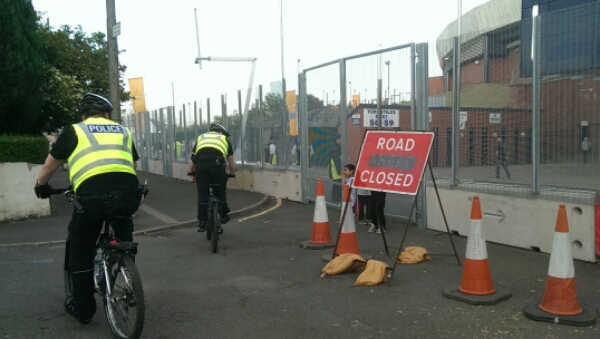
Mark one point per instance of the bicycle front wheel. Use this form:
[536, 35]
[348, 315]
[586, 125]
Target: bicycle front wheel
[124, 306]
[216, 223]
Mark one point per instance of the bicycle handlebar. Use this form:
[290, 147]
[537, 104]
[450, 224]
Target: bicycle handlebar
[192, 174]
[71, 196]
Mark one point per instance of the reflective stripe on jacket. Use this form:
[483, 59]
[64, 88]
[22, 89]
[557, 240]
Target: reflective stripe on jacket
[103, 146]
[212, 140]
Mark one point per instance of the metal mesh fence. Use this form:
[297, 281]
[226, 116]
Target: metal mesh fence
[500, 97]
[513, 123]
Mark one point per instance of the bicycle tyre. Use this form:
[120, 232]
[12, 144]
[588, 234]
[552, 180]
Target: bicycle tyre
[207, 226]
[215, 224]
[126, 294]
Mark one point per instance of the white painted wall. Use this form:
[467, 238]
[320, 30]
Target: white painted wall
[528, 223]
[17, 198]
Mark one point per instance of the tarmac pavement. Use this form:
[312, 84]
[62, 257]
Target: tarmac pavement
[262, 284]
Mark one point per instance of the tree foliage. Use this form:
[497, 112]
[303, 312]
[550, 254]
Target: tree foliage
[21, 68]
[76, 63]
[313, 102]
[45, 71]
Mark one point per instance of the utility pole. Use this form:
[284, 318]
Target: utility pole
[112, 31]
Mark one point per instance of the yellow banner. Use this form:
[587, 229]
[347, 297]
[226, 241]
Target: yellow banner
[355, 100]
[138, 98]
[290, 100]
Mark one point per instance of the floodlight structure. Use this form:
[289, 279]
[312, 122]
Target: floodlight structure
[238, 154]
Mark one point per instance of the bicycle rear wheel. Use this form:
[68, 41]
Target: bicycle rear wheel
[208, 227]
[216, 223]
[124, 306]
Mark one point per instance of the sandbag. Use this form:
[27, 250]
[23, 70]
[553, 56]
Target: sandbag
[373, 275]
[413, 255]
[341, 264]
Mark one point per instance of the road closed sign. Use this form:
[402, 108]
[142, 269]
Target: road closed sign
[392, 161]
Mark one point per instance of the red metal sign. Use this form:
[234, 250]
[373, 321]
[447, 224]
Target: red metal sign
[392, 161]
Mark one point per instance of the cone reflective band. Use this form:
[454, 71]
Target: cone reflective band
[560, 296]
[320, 230]
[477, 279]
[348, 243]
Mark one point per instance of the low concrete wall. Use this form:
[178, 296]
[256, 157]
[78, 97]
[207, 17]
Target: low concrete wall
[17, 199]
[527, 223]
[273, 181]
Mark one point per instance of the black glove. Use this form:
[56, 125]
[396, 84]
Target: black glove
[191, 174]
[43, 191]
[231, 175]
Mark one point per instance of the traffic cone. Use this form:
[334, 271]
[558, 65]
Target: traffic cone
[476, 287]
[348, 242]
[321, 236]
[559, 303]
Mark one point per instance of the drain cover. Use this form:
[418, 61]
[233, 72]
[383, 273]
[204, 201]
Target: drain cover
[160, 234]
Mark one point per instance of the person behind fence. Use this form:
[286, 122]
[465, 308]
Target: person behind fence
[334, 170]
[586, 147]
[102, 160]
[364, 206]
[348, 174]
[377, 212]
[294, 153]
[208, 164]
[501, 152]
[271, 151]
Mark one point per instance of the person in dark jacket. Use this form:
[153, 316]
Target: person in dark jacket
[208, 164]
[102, 161]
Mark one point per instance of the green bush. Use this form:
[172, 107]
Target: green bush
[22, 148]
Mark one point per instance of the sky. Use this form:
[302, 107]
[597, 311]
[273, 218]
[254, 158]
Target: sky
[159, 42]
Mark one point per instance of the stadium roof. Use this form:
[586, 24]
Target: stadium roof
[480, 20]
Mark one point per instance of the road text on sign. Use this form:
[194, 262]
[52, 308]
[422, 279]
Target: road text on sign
[392, 161]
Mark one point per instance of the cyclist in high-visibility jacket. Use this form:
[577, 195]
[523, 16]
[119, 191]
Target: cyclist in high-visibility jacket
[208, 165]
[335, 170]
[102, 161]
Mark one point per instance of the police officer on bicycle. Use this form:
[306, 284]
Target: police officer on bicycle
[209, 163]
[102, 161]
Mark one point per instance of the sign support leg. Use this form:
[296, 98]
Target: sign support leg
[442, 209]
[412, 209]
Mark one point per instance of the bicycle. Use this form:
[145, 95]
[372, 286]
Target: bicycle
[214, 215]
[116, 278]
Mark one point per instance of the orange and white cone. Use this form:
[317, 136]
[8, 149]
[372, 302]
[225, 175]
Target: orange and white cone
[560, 296]
[476, 286]
[348, 242]
[559, 303]
[477, 279]
[321, 236]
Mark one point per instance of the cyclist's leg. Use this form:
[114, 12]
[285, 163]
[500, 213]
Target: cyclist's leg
[127, 204]
[83, 234]
[203, 179]
[123, 228]
[220, 177]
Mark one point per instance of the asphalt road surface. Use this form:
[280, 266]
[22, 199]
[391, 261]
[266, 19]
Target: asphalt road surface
[261, 284]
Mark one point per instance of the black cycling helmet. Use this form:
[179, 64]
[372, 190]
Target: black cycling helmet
[219, 128]
[94, 104]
